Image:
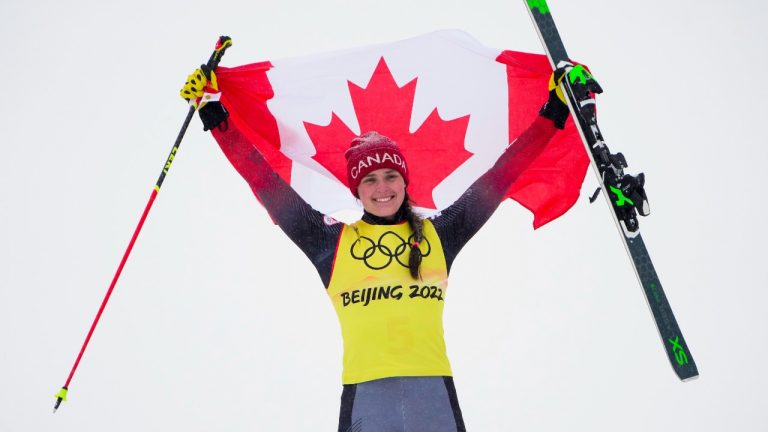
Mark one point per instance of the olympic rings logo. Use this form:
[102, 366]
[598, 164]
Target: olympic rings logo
[379, 254]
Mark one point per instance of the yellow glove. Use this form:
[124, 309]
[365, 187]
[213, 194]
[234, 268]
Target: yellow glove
[554, 83]
[199, 90]
[556, 108]
[582, 84]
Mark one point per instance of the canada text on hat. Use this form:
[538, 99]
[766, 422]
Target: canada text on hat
[378, 158]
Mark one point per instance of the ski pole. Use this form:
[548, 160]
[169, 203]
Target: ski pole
[222, 44]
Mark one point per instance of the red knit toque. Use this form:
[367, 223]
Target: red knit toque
[369, 152]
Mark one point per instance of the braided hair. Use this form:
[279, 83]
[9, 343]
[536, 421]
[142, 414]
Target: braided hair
[417, 226]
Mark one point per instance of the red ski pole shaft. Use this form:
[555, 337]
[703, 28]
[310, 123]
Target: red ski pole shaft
[222, 44]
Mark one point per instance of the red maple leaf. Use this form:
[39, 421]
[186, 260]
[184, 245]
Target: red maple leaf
[434, 151]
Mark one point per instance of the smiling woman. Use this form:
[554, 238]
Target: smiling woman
[387, 274]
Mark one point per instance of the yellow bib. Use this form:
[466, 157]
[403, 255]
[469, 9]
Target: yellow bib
[392, 324]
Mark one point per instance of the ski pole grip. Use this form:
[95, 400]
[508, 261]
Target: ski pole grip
[222, 44]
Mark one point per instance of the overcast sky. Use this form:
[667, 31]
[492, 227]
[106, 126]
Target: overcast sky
[220, 323]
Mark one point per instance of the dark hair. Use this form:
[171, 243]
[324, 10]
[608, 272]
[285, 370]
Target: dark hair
[417, 226]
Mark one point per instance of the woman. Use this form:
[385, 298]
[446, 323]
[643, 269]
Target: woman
[387, 273]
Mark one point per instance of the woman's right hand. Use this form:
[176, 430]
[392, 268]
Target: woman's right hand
[203, 94]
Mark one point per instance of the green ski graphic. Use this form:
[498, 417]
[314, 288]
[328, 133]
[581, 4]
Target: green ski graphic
[621, 200]
[541, 5]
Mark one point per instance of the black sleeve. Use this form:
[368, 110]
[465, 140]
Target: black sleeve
[305, 226]
[457, 223]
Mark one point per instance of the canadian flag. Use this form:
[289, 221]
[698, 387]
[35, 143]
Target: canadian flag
[452, 105]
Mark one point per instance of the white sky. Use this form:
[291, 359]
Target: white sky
[220, 323]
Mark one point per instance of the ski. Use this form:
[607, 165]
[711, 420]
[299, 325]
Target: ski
[624, 193]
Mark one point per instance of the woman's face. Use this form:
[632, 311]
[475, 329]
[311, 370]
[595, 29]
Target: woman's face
[382, 192]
